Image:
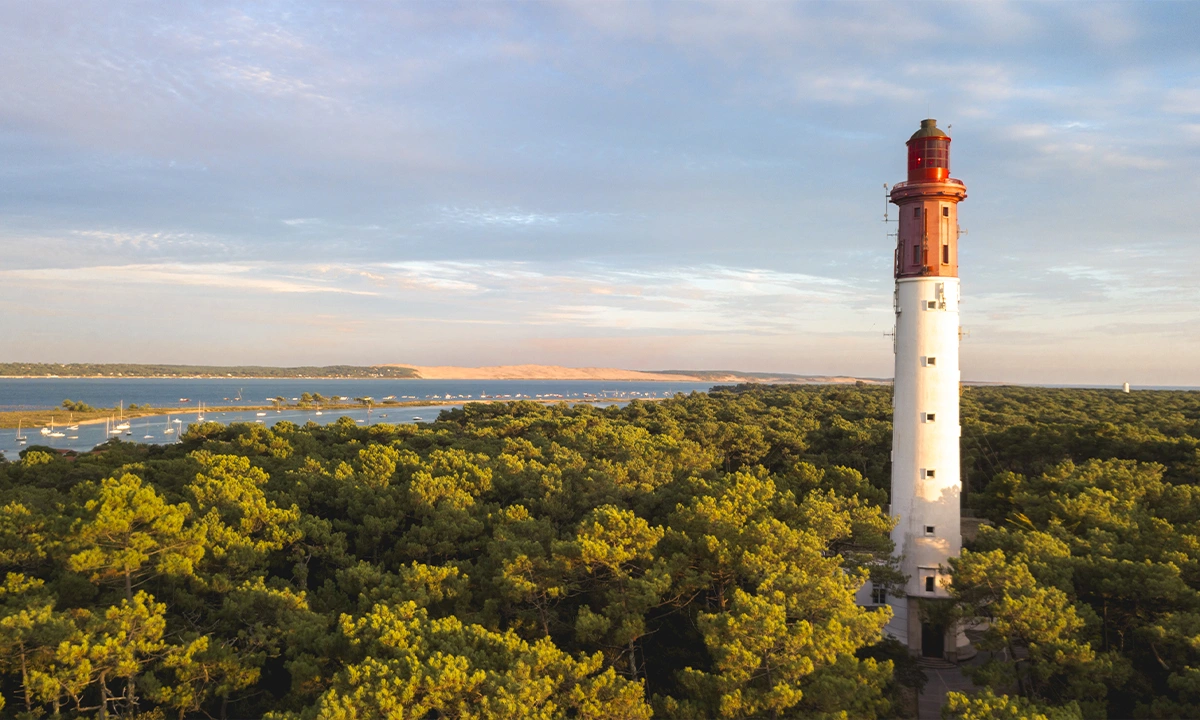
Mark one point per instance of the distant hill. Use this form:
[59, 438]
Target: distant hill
[773, 378]
[537, 372]
[115, 370]
[422, 372]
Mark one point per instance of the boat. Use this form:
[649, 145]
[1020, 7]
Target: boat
[147, 436]
[318, 413]
[261, 414]
[121, 424]
[21, 439]
[51, 432]
[417, 417]
[75, 426]
[168, 429]
[200, 412]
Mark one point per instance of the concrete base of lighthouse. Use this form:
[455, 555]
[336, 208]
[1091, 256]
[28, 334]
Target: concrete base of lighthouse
[925, 637]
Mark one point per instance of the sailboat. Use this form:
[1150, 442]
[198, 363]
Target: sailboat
[112, 427]
[70, 417]
[124, 425]
[200, 411]
[20, 438]
[147, 436]
[53, 433]
[169, 429]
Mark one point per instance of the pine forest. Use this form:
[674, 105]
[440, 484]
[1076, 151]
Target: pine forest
[697, 557]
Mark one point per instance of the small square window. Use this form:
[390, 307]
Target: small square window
[928, 473]
[930, 417]
[929, 530]
[946, 211]
[917, 212]
[931, 361]
[945, 254]
[929, 583]
[931, 304]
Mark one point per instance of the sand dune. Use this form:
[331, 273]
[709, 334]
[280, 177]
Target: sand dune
[535, 372]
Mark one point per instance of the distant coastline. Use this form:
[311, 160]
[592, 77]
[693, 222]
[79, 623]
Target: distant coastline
[130, 371]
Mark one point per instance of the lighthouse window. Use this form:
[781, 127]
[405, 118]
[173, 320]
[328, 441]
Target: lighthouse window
[928, 583]
[931, 361]
[916, 254]
[945, 211]
[929, 417]
[929, 530]
[925, 473]
[916, 212]
[945, 254]
[931, 304]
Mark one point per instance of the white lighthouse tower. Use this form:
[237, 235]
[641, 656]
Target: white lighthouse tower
[926, 487]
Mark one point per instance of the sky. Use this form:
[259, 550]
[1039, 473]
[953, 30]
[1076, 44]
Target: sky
[674, 185]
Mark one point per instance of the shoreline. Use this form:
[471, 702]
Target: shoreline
[35, 419]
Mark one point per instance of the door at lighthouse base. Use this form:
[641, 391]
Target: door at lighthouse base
[933, 640]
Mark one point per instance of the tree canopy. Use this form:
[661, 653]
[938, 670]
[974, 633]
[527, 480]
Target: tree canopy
[695, 557]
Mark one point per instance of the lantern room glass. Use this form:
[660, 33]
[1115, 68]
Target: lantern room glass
[929, 159]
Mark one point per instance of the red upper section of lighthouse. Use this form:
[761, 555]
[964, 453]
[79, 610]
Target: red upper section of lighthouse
[928, 154]
[927, 235]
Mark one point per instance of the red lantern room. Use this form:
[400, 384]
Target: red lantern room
[928, 154]
[927, 236]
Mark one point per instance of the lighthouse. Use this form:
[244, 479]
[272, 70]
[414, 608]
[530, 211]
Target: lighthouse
[926, 482]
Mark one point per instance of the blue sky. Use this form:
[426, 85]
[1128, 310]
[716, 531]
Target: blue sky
[642, 185]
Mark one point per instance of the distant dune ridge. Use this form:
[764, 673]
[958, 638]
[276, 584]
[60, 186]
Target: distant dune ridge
[536, 372]
[557, 372]
[399, 371]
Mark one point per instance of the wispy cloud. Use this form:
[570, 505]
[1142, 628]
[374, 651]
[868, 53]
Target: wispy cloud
[213, 275]
[506, 217]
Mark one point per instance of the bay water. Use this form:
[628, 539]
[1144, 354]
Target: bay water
[187, 394]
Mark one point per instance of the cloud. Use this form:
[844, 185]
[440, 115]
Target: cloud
[1182, 101]
[507, 217]
[222, 276]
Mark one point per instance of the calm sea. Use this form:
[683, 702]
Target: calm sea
[186, 395]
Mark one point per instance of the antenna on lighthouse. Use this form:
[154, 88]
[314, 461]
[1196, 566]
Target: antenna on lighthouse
[885, 202]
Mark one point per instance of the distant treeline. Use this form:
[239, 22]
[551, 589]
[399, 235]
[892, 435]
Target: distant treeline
[254, 371]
